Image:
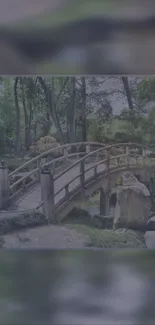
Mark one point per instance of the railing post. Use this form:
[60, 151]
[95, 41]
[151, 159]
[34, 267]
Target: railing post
[127, 153]
[108, 159]
[118, 162]
[87, 148]
[53, 167]
[127, 150]
[4, 186]
[143, 155]
[95, 172]
[67, 192]
[143, 152]
[47, 194]
[82, 172]
[38, 166]
[66, 154]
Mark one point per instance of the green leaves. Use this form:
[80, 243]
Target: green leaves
[145, 92]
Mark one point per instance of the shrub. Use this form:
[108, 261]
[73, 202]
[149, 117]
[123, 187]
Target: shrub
[42, 145]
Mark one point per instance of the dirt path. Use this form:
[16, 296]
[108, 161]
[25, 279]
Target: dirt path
[50, 236]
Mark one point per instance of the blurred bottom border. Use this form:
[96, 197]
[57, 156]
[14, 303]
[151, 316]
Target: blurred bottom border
[77, 287]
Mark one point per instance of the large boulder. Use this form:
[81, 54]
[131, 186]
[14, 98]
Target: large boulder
[133, 205]
[150, 239]
[151, 223]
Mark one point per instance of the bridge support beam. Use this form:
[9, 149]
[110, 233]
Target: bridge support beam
[47, 194]
[104, 203]
[4, 186]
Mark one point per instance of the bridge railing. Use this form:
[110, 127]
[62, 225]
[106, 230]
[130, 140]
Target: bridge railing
[123, 160]
[109, 164]
[19, 179]
[31, 177]
[63, 150]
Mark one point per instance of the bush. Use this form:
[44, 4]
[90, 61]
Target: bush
[23, 220]
[44, 144]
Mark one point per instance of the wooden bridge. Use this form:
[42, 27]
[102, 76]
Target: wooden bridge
[55, 185]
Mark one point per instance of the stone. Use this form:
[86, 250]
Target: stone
[150, 239]
[128, 179]
[151, 223]
[133, 205]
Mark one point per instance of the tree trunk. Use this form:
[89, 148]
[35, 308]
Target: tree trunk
[83, 111]
[17, 116]
[127, 92]
[52, 108]
[25, 115]
[29, 138]
[73, 111]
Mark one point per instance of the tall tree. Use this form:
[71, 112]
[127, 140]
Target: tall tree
[71, 111]
[17, 115]
[127, 92]
[83, 109]
[52, 103]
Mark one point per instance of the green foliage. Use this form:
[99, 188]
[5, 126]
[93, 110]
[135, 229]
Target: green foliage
[106, 238]
[7, 108]
[145, 91]
[44, 144]
[67, 111]
[95, 131]
[2, 137]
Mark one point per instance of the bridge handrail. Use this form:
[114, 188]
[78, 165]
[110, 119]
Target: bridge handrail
[100, 162]
[77, 144]
[46, 153]
[88, 169]
[37, 169]
[98, 151]
[96, 175]
[86, 156]
[89, 181]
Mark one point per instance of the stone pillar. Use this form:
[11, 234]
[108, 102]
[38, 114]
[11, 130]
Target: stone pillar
[4, 186]
[47, 194]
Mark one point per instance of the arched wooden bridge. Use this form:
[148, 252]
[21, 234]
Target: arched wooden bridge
[81, 169]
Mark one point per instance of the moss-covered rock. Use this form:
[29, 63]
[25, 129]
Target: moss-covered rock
[14, 222]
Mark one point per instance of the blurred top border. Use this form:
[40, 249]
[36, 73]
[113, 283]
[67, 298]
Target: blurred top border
[77, 37]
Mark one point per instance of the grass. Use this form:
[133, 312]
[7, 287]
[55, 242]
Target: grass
[109, 238]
